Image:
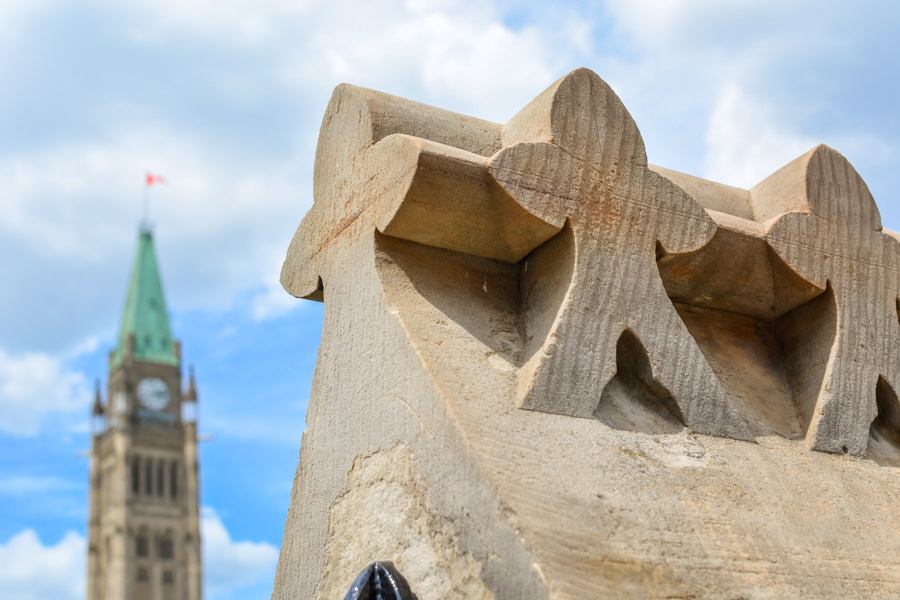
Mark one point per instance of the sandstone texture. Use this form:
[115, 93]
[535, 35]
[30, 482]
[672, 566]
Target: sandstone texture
[549, 369]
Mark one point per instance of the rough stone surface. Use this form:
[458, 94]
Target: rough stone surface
[551, 370]
[407, 528]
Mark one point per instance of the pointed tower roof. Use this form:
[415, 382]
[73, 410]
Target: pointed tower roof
[145, 315]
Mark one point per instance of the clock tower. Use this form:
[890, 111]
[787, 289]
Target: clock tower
[144, 516]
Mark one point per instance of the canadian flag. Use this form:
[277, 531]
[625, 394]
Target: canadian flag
[151, 179]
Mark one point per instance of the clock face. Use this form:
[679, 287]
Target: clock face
[153, 393]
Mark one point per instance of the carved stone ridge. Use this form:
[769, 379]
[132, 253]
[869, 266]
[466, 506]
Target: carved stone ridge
[607, 246]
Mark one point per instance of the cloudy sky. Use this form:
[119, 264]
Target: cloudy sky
[224, 99]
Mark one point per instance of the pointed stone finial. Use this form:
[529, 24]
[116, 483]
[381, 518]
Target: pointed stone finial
[191, 395]
[97, 410]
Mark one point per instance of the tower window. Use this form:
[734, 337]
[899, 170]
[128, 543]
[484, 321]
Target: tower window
[135, 475]
[142, 545]
[148, 476]
[173, 480]
[142, 574]
[168, 578]
[166, 548]
[160, 476]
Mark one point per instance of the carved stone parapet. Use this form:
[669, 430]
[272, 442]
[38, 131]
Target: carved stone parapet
[526, 325]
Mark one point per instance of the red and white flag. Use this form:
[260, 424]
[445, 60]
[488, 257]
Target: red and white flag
[151, 179]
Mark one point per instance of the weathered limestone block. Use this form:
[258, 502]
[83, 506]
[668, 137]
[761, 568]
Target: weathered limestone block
[527, 327]
[374, 393]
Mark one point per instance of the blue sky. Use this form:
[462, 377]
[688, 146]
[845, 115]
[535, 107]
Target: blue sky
[224, 99]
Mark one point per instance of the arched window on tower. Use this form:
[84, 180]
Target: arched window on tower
[142, 544]
[135, 475]
[160, 477]
[166, 546]
[173, 480]
[148, 476]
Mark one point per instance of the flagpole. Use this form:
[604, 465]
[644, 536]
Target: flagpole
[150, 180]
[146, 215]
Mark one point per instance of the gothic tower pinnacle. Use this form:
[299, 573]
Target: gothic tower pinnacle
[145, 316]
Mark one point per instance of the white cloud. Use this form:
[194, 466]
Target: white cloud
[749, 137]
[14, 15]
[226, 217]
[273, 302]
[73, 200]
[230, 566]
[457, 51]
[29, 570]
[245, 22]
[662, 23]
[745, 141]
[34, 386]
[70, 213]
[461, 55]
[733, 90]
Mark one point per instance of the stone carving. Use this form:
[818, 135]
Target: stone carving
[526, 325]
[831, 234]
[564, 162]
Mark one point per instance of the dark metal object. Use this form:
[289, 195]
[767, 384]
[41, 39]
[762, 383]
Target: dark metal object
[380, 581]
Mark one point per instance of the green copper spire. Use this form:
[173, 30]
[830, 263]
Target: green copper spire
[145, 315]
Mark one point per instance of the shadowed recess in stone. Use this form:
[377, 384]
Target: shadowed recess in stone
[737, 273]
[380, 581]
[772, 369]
[545, 277]
[633, 399]
[884, 434]
[474, 294]
[509, 308]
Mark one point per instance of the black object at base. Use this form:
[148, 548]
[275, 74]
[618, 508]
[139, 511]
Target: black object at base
[380, 581]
